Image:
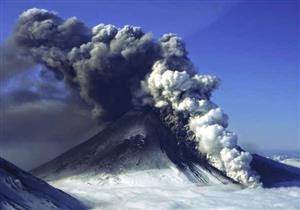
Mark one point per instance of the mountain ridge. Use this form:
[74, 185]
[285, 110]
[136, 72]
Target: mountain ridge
[20, 190]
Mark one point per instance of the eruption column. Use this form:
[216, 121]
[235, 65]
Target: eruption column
[189, 93]
[107, 66]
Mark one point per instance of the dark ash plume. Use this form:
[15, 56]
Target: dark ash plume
[11, 63]
[105, 64]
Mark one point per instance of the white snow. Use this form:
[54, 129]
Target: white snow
[292, 162]
[165, 189]
[287, 160]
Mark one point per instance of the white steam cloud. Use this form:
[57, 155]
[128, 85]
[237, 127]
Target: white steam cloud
[189, 93]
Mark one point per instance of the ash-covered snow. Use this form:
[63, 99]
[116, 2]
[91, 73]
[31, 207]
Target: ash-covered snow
[136, 142]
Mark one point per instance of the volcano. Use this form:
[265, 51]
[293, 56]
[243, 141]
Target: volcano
[137, 163]
[167, 142]
[139, 142]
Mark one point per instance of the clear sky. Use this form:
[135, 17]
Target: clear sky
[252, 46]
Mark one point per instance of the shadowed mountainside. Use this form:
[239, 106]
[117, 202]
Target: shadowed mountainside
[20, 190]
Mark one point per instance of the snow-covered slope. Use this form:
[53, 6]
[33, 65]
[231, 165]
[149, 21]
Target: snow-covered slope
[22, 191]
[138, 142]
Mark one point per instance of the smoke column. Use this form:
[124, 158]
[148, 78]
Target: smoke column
[104, 64]
[115, 69]
[185, 92]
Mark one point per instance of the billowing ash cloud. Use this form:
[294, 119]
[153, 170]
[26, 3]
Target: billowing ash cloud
[117, 68]
[109, 67]
[104, 63]
[12, 63]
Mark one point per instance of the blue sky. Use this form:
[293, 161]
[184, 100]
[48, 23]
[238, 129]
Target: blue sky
[253, 46]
